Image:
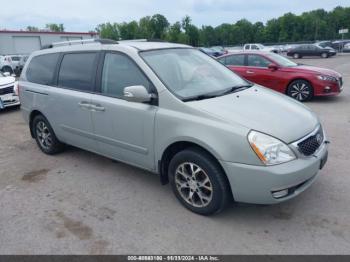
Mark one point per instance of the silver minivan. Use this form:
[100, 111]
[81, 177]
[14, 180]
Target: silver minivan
[172, 110]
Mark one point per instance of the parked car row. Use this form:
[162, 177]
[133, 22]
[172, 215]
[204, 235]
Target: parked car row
[277, 72]
[12, 64]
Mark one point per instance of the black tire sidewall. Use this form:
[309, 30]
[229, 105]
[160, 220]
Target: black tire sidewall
[221, 192]
[56, 146]
[304, 82]
[7, 69]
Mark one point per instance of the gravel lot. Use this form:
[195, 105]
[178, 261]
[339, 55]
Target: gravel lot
[80, 203]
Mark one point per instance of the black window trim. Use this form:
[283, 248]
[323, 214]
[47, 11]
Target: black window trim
[93, 81]
[98, 82]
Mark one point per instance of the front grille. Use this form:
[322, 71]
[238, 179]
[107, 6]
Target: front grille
[311, 144]
[6, 90]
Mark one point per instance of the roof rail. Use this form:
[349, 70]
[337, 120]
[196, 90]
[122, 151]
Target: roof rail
[142, 40]
[81, 42]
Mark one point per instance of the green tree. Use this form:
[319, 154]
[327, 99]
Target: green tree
[32, 28]
[55, 27]
[158, 24]
[108, 30]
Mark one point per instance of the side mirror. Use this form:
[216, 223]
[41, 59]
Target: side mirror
[7, 74]
[137, 94]
[273, 67]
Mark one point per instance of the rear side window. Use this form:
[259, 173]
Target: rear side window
[41, 69]
[236, 60]
[119, 71]
[78, 71]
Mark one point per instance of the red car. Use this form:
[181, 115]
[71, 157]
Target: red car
[268, 69]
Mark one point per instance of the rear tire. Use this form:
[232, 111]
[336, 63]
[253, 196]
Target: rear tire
[45, 136]
[296, 56]
[198, 182]
[324, 55]
[300, 90]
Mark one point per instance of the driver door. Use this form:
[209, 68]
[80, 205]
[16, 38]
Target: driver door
[123, 130]
[257, 71]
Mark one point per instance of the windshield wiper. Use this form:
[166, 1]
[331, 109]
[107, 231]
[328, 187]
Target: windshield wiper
[199, 97]
[235, 89]
[216, 94]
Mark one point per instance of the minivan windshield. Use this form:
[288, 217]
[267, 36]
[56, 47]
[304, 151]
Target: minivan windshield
[192, 75]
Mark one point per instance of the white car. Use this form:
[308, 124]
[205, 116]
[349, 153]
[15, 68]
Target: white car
[8, 91]
[6, 64]
[260, 47]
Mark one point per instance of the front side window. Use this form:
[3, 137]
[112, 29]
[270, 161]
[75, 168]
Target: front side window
[119, 71]
[258, 61]
[41, 69]
[235, 60]
[78, 71]
[191, 74]
[281, 60]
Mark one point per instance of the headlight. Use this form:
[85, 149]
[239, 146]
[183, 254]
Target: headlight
[15, 88]
[270, 150]
[327, 78]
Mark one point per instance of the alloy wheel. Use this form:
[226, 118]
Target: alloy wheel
[193, 184]
[300, 91]
[44, 135]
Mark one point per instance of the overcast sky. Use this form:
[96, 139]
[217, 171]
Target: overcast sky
[84, 15]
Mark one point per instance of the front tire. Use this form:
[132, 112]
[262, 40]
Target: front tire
[7, 69]
[300, 90]
[45, 136]
[324, 55]
[198, 182]
[296, 56]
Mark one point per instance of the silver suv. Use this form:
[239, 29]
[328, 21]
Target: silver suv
[174, 111]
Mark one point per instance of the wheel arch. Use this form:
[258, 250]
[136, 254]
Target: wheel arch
[32, 115]
[172, 149]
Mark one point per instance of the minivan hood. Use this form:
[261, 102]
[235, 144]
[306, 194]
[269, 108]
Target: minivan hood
[6, 80]
[263, 110]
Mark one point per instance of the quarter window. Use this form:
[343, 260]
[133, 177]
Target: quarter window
[78, 71]
[42, 68]
[119, 71]
[258, 61]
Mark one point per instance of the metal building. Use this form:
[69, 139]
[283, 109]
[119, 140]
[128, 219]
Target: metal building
[24, 42]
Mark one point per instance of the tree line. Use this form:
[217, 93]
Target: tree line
[309, 26]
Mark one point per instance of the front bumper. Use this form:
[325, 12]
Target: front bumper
[328, 88]
[256, 184]
[9, 100]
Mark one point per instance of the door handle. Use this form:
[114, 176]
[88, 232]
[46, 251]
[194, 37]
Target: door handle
[97, 108]
[249, 72]
[84, 104]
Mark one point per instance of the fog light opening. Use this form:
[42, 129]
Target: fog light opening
[327, 89]
[280, 193]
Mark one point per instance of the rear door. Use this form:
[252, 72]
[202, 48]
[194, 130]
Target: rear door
[70, 106]
[123, 130]
[236, 63]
